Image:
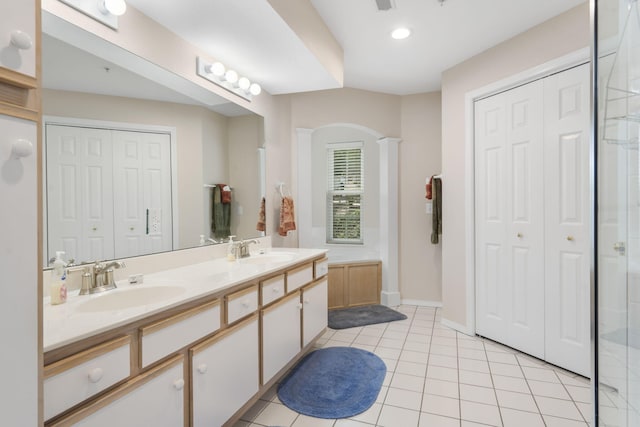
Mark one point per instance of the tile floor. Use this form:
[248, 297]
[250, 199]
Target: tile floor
[438, 377]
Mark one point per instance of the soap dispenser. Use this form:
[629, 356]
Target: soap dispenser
[231, 251]
[58, 277]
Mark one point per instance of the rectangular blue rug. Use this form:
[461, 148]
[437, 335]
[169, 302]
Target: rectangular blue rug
[352, 317]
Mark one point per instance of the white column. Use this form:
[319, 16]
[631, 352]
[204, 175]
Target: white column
[389, 220]
[304, 203]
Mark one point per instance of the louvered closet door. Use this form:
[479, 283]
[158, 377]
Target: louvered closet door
[509, 219]
[567, 220]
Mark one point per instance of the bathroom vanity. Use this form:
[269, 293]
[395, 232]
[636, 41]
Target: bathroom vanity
[194, 346]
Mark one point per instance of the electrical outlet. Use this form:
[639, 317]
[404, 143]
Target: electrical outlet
[429, 208]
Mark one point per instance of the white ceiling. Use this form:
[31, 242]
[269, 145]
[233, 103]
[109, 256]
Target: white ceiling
[251, 37]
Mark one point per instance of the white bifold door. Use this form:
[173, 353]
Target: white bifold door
[108, 193]
[532, 218]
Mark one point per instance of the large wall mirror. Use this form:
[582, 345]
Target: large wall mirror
[134, 156]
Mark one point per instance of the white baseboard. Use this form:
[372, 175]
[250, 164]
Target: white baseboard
[422, 303]
[458, 327]
[390, 299]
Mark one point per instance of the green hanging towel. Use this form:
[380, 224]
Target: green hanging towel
[220, 214]
[436, 218]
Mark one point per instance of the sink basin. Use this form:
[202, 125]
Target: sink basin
[121, 299]
[269, 258]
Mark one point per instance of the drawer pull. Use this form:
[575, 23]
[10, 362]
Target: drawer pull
[178, 384]
[96, 375]
[299, 306]
[21, 40]
[202, 368]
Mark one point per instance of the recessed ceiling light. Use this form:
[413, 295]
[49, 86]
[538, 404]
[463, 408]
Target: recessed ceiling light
[401, 33]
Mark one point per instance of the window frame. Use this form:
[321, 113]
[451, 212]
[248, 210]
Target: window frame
[332, 192]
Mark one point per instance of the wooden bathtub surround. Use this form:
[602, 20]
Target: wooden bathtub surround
[354, 283]
[178, 378]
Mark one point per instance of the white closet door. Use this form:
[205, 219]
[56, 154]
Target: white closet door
[567, 221]
[79, 186]
[509, 219]
[142, 193]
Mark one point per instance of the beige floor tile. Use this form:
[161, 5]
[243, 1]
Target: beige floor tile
[471, 353]
[506, 369]
[562, 422]
[519, 401]
[475, 378]
[306, 421]
[519, 385]
[515, 418]
[412, 368]
[441, 388]
[392, 416]
[440, 405]
[407, 382]
[558, 408]
[473, 365]
[371, 415]
[478, 394]
[500, 357]
[432, 420]
[547, 389]
[421, 347]
[276, 414]
[480, 413]
[444, 361]
[579, 394]
[540, 374]
[403, 398]
[441, 373]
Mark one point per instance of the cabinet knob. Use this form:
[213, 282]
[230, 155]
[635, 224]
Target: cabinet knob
[22, 148]
[299, 306]
[570, 238]
[178, 384]
[96, 375]
[202, 368]
[21, 40]
[519, 235]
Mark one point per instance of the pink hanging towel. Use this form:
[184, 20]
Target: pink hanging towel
[287, 217]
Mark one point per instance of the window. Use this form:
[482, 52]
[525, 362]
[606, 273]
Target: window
[345, 192]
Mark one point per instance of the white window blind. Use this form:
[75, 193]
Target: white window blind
[345, 192]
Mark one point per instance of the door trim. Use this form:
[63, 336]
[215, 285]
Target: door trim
[118, 126]
[579, 57]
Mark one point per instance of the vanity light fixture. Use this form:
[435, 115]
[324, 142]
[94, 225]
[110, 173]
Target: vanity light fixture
[217, 73]
[400, 33]
[104, 11]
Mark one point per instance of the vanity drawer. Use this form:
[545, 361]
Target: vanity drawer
[78, 377]
[299, 277]
[241, 303]
[321, 268]
[272, 289]
[169, 335]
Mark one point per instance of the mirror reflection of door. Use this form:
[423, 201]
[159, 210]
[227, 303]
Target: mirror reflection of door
[108, 192]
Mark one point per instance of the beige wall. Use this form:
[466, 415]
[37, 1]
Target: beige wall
[420, 157]
[416, 120]
[552, 39]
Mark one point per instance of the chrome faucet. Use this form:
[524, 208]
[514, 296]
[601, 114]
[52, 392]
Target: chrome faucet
[99, 277]
[242, 248]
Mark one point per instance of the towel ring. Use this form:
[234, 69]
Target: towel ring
[281, 189]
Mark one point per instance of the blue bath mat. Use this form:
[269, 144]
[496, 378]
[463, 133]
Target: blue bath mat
[334, 382]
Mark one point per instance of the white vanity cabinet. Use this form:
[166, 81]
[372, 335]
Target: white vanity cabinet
[314, 310]
[280, 334]
[225, 373]
[155, 398]
[18, 37]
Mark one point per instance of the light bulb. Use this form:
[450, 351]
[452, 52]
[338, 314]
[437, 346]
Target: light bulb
[255, 89]
[231, 76]
[217, 69]
[401, 33]
[114, 7]
[244, 83]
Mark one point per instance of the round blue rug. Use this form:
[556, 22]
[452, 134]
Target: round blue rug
[334, 382]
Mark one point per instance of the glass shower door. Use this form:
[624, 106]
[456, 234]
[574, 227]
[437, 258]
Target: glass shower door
[618, 226]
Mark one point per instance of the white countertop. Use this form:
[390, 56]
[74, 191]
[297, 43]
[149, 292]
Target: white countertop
[67, 323]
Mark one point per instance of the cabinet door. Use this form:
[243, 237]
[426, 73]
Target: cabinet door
[567, 220]
[19, 248]
[158, 401]
[314, 310]
[280, 335]
[18, 21]
[225, 374]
